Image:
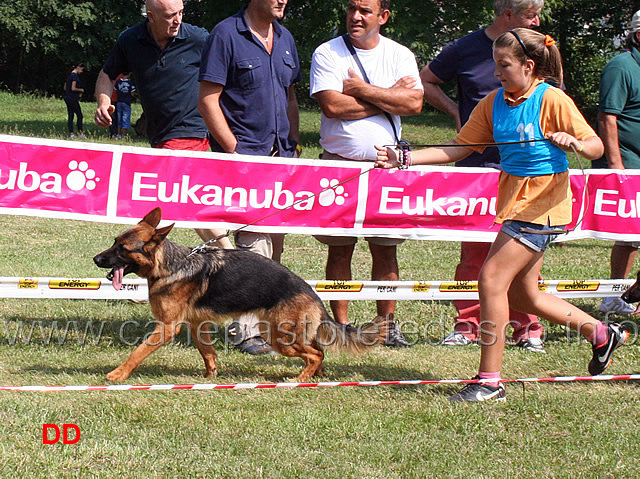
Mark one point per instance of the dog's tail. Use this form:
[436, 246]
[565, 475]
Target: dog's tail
[340, 337]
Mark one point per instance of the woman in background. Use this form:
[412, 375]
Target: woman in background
[72, 90]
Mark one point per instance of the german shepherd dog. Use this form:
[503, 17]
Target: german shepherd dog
[203, 288]
[632, 295]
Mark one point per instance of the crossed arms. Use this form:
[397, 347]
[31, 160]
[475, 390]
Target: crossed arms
[360, 99]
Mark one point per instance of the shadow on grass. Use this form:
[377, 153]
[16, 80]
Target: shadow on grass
[58, 130]
[581, 245]
[29, 331]
[77, 334]
[257, 369]
[429, 118]
[309, 138]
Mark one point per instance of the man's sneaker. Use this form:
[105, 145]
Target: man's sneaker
[395, 338]
[531, 344]
[618, 335]
[255, 346]
[456, 339]
[475, 392]
[616, 305]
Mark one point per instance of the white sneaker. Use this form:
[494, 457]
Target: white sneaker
[616, 305]
[532, 344]
[456, 339]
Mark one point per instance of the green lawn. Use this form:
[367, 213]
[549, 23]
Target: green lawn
[544, 430]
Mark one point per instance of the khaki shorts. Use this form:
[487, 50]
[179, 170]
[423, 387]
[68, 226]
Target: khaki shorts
[256, 242]
[349, 240]
[630, 244]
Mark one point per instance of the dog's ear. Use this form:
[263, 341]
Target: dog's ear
[161, 233]
[153, 217]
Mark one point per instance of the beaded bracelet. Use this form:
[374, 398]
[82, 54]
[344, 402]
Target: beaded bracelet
[404, 158]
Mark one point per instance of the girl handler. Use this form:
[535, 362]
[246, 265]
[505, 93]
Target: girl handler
[533, 195]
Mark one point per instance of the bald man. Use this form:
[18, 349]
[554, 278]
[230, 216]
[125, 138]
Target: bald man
[163, 54]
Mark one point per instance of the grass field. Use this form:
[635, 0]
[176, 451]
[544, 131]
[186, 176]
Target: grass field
[577, 430]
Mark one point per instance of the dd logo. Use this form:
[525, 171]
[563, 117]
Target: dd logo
[65, 434]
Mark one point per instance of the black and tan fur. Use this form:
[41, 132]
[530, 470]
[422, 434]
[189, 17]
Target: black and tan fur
[219, 284]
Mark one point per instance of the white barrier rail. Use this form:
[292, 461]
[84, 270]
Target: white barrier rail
[98, 288]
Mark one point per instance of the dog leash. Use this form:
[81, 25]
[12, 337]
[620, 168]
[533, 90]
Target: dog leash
[202, 247]
[454, 145]
[544, 231]
[560, 231]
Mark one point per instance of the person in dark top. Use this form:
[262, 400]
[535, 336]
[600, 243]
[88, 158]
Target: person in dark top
[163, 55]
[247, 98]
[72, 90]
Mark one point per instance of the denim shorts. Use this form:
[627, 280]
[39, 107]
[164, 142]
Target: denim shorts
[537, 242]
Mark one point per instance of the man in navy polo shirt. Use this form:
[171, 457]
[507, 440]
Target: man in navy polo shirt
[247, 99]
[470, 61]
[163, 54]
[164, 58]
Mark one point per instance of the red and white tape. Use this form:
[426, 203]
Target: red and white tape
[326, 384]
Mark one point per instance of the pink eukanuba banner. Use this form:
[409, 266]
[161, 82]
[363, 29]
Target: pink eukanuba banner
[112, 183]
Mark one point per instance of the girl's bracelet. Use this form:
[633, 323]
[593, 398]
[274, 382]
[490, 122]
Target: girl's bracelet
[404, 157]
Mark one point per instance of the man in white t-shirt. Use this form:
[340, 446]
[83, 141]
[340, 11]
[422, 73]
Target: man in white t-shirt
[356, 114]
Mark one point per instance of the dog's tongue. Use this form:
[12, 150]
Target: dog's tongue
[118, 274]
[637, 311]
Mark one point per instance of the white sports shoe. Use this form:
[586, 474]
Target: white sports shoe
[456, 339]
[534, 345]
[476, 392]
[616, 305]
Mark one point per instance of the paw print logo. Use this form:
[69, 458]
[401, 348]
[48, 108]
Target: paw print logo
[81, 176]
[333, 193]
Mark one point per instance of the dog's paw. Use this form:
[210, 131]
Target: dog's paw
[211, 373]
[117, 375]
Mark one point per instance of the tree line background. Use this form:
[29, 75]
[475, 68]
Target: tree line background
[41, 39]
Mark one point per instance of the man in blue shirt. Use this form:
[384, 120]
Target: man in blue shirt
[469, 60]
[247, 99]
[163, 54]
